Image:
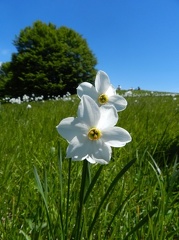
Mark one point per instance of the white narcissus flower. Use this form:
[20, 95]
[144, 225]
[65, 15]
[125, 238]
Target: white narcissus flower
[92, 133]
[103, 93]
[29, 106]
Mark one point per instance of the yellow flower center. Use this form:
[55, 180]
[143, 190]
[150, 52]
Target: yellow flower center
[103, 98]
[94, 134]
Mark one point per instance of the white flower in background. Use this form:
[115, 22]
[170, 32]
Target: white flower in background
[92, 134]
[128, 94]
[29, 106]
[15, 100]
[25, 98]
[103, 93]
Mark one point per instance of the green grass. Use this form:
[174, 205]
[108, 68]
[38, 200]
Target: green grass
[39, 187]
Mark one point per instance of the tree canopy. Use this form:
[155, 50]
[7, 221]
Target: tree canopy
[49, 61]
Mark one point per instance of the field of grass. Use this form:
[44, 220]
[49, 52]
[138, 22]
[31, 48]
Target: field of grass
[135, 196]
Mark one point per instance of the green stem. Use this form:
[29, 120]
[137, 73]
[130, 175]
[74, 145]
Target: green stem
[85, 178]
[68, 198]
[61, 192]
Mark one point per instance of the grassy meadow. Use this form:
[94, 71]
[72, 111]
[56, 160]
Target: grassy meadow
[135, 196]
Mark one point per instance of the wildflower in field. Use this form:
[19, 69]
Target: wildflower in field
[103, 93]
[128, 94]
[15, 100]
[29, 106]
[25, 98]
[92, 133]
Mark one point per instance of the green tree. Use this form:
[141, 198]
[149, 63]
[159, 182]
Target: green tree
[49, 61]
[5, 77]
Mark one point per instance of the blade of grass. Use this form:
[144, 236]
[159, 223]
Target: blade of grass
[119, 209]
[141, 223]
[92, 183]
[40, 189]
[109, 190]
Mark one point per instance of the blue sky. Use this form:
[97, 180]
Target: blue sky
[136, 42]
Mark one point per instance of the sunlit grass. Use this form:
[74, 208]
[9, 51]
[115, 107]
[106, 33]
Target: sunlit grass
[30, 140]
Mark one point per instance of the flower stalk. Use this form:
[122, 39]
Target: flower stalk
[85, 181]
